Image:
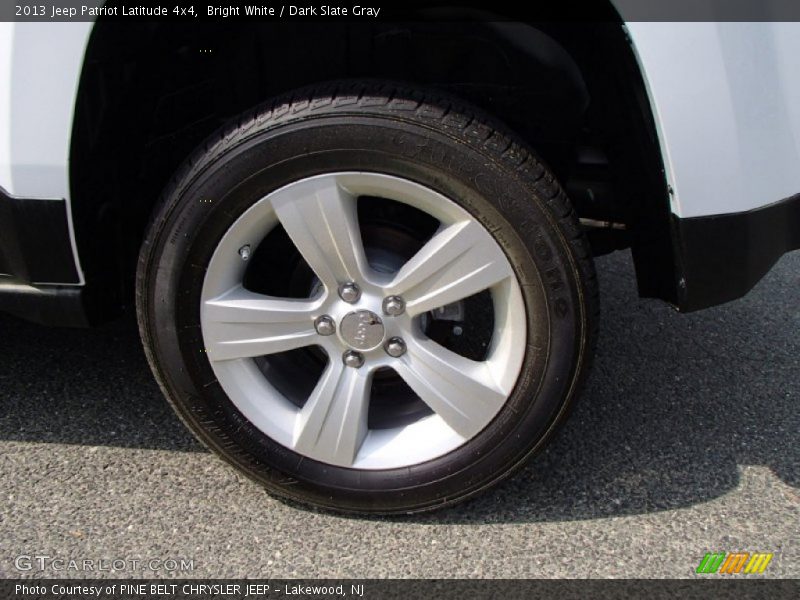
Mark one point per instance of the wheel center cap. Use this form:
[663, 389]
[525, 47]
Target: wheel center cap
[362, 330]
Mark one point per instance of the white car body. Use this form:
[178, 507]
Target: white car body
[724, 95]
[724, 98]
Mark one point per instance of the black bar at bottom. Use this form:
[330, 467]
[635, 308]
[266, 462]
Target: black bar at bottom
[709, 587]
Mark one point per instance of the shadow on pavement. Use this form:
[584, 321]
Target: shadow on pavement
[83, 386]
[675, 404]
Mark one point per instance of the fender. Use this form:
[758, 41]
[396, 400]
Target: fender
[36, 112]
[730, 151]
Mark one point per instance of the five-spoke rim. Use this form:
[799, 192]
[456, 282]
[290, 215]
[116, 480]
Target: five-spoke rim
[364, 321]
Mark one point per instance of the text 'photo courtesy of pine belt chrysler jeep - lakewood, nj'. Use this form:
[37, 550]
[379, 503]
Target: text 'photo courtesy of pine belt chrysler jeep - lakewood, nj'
[360, 249]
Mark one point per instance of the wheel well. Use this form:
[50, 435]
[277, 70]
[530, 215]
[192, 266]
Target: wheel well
[150, 93]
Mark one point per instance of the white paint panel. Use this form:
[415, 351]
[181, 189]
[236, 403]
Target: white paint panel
[46, 68]
[726, 97]
[40, 68]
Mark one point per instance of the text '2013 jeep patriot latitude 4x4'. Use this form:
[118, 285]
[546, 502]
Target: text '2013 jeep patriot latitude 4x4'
[361, 251]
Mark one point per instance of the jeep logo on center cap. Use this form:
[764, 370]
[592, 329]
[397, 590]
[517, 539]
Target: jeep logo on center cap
[362, 330]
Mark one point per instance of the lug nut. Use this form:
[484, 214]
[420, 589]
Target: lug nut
[393, 306]
[353, 359]
[395, 347]
[349, 292]
[325, 325]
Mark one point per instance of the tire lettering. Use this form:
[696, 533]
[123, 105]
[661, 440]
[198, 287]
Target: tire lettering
[552, 277]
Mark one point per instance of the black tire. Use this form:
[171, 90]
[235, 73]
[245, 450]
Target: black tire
[418, 135]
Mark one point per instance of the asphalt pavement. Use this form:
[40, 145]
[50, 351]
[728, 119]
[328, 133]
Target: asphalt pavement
[687, 440]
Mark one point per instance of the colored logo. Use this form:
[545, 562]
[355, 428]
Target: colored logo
[734, 562]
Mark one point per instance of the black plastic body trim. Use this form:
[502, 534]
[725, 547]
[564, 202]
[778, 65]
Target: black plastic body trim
[721, 257]
[37, 262]
[35, 244]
